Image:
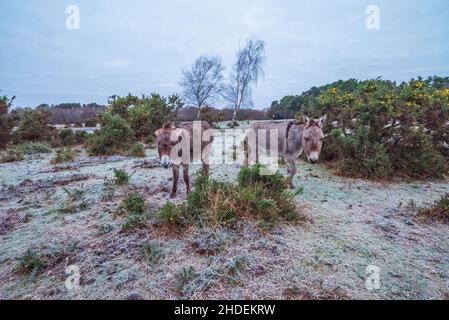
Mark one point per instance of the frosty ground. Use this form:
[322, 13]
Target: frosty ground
[353, 224]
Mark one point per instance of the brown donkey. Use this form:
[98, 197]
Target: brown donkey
[182, 145]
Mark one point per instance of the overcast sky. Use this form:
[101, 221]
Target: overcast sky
[141, 46]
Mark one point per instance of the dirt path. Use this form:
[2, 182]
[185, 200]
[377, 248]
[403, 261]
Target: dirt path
[355, 224]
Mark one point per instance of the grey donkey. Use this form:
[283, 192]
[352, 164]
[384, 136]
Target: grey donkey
[293, 140]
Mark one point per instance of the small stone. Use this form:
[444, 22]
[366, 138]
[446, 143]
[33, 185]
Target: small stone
[134, 296]
[110, 270]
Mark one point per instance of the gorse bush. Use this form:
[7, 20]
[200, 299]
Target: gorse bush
[379, 129]
[34, 127]
[145, 114]
[438, 211]
[121, 177]
[264, 198]
[91, 122]
[67, 137]
[5, 121]
[114, 137]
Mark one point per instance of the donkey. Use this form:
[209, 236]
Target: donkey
[293, 140]
[183, 144]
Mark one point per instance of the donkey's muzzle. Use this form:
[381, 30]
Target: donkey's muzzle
[165, 162]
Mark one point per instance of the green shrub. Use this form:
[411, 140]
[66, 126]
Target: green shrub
[379, 129]
[34, 127]
[114, 137]
[81, 137]
[67, 137]
[18, 152]
[30, 262]
[265, 198]
[172, 214]
[121, 177]
[135, 211]
[137, 150]
[5, 121]
[30, 148]
[11, 155]
[36, 260]
[91, 123]
[152, 253]
[438, 211]
[64, 155]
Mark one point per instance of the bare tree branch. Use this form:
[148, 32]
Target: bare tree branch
[245, 74]
[203, 81]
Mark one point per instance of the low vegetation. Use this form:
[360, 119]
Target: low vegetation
[121, 177]
[18, 152]
[35, 260]
[137, 150]
[76, 202]
[152, 253]
[439, 211]
[11, 155]
[64, 155]
[265, 198]
[134, 210]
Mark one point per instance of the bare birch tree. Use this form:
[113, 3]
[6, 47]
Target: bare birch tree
[203, 81]
[245, 74]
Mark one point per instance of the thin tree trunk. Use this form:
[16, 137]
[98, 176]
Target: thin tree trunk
[234, 115]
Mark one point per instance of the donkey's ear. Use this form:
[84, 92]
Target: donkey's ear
[322, 120]
[306, 120]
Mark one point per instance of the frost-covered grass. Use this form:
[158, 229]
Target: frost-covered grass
[353, 224]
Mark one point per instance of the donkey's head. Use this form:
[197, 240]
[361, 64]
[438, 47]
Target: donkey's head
[165, 143]
[312, 138]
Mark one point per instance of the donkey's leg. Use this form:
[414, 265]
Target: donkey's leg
[185, 173]
[175, 180]
[205, 168]
[291, 170]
